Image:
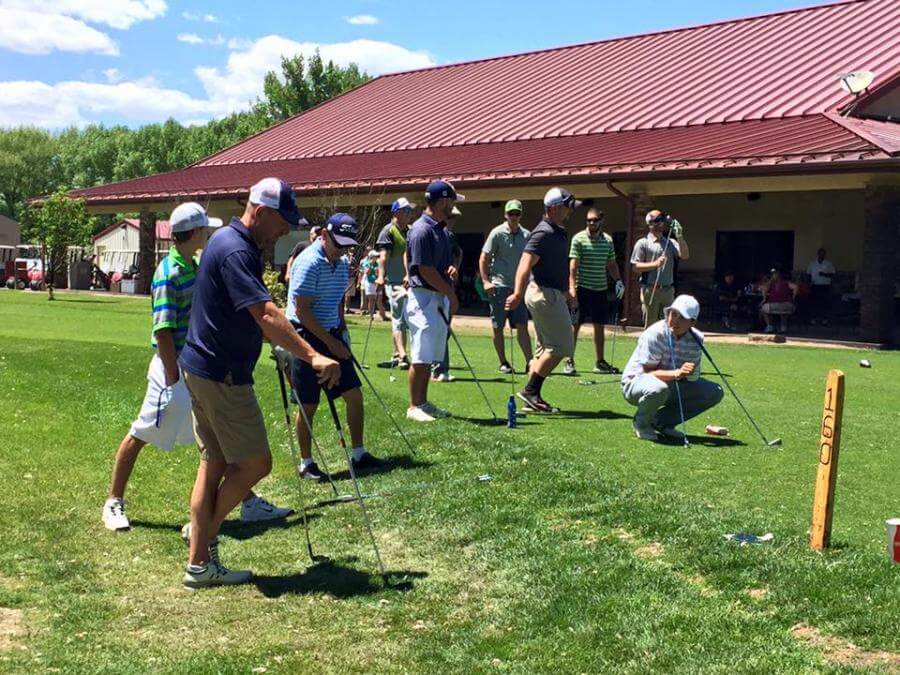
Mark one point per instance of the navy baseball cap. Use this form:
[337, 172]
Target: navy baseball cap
[343, 229]
[279, 195]
[402, 203]
[442, 189]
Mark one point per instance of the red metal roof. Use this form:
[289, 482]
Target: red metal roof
[163, 231]
[751, 92]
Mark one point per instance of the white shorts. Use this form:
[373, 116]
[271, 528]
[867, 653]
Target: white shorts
[397, 301]
[369, 287]
[427, 330]
[165, 417]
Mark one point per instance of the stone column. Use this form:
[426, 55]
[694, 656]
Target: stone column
[147, 251]
[636, 229]
[879, 272]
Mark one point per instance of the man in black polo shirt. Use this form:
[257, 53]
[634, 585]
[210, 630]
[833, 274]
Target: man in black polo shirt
[546, 258]
[231, 311]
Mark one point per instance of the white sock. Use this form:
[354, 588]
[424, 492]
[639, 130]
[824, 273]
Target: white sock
[358, 453]
[306, 462]
[196, 569]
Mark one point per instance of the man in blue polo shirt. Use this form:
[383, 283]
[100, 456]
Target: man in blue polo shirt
[231, 311]
[318, 280]
[429, 258]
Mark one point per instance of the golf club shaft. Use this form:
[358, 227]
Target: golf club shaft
[359, 498]
[612, 356]
[381, 402]
[368, 332]
[677, 388]
[665, 247]
[290, 432]
[730, 388]
[469, 365]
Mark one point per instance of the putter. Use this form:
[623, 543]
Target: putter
[381, 401]
[290, 432]
[677, 388]
[612, 356]
[665, 247]
[512, 375]
[359, 498]
[368, 332]
[775, 441]
[497, 420]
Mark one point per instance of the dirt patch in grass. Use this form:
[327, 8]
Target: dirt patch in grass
[841, 652]
[757, 593]
[12, 628]
[652, 550]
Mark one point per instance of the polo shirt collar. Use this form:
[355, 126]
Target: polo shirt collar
[431, 222]
[242, 230]
[554, 226]
[178, 259]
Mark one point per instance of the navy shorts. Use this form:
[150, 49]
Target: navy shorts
[592, 306]
[305, 379]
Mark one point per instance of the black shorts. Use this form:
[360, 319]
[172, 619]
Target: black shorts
[591, 306]
[305, 379]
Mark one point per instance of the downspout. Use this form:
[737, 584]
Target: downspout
[627, 276]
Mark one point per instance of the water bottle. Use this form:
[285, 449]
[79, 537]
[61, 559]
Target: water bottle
[511, 412]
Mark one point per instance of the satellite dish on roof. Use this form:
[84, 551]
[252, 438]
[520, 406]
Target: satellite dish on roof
[856, 82]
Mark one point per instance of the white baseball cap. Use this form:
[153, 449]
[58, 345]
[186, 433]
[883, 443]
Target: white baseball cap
[686, 305]
[560, 197]
[191, 216]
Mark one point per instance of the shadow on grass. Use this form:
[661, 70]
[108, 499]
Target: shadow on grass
[706, 441]
[589, 415]
[482, 379]
[82, 301]
[149, 525]
[404, 463]
[496, 423]
[241, 531]
[336, 578]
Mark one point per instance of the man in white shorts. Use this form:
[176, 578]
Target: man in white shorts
[165, 416]
[431, 294]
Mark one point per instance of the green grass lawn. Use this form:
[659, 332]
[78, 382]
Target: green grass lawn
[587, 550]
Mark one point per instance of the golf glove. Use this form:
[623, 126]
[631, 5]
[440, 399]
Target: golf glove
[676, 228]
[620, 289]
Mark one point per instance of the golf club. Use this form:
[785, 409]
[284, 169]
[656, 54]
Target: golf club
[612, 356]
[282, 363]
[471, 369]
[290, 432]
[368, 332]
[512, 374]
[381, 402]
[359, 498]
[677, 388]
[775, 441]
[665, 247]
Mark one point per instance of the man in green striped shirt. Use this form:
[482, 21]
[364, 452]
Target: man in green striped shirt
[591, 256]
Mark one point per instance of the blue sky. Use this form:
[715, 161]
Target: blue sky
[68, 62]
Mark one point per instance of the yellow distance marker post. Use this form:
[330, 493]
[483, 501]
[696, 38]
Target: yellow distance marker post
[829, 446]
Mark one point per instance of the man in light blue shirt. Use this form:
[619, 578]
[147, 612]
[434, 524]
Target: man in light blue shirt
[319, 278]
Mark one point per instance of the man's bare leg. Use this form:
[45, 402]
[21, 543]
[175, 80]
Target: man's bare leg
[419, 374]
[524, 341]
[126, 456]
[499, 344]
[599, 334]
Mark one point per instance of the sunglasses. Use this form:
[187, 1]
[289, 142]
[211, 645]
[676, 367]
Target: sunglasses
[595, 220]
[514, 213]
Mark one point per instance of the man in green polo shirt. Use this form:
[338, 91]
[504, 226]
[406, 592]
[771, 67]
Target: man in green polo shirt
[497, 266]
[165, 416]
[591, 256]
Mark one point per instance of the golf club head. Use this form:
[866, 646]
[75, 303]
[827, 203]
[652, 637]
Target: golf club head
[775, 442]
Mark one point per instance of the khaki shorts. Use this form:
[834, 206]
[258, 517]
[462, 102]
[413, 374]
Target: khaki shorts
[662, 298]
[228, 423]
[552, 321]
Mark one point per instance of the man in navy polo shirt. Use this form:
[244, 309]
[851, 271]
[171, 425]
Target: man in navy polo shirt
[231, 311]
[318, 280]
[545, 262]
[430, 293]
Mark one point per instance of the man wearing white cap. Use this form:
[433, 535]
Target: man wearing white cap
[545, 260]
[392, 277]
[232, 311]
[668, 352]
[165, 417]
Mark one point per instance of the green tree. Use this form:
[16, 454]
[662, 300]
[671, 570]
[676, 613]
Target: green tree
[55, 224]
[27, 167]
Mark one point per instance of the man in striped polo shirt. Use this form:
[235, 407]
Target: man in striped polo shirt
[591, 256]
[318, 279]
[165, 416]
[665, 365]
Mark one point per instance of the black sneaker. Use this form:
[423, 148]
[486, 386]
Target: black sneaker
[505, 368]
[547, 406]
[604, 368]
[404, 363]
[367, 463]
[313, 473]
[533, 401]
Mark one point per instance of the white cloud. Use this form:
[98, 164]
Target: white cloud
[31, 32]
[197, 16]
[361, 20]
[190, 38]
[238, 44]
[241, 81]
[228, 88]
[121, 14]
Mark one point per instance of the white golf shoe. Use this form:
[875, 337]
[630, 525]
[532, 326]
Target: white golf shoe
[258, 510]
[215, 574]
[434, 411]
[113, 515]
[418, 414]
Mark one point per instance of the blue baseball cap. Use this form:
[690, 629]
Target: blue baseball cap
[279, 195]
[442, 189]
[343, 229]
[402, 203]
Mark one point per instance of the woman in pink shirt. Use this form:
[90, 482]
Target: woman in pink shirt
[779, 295]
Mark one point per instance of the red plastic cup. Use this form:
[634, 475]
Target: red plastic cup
[893, 533]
